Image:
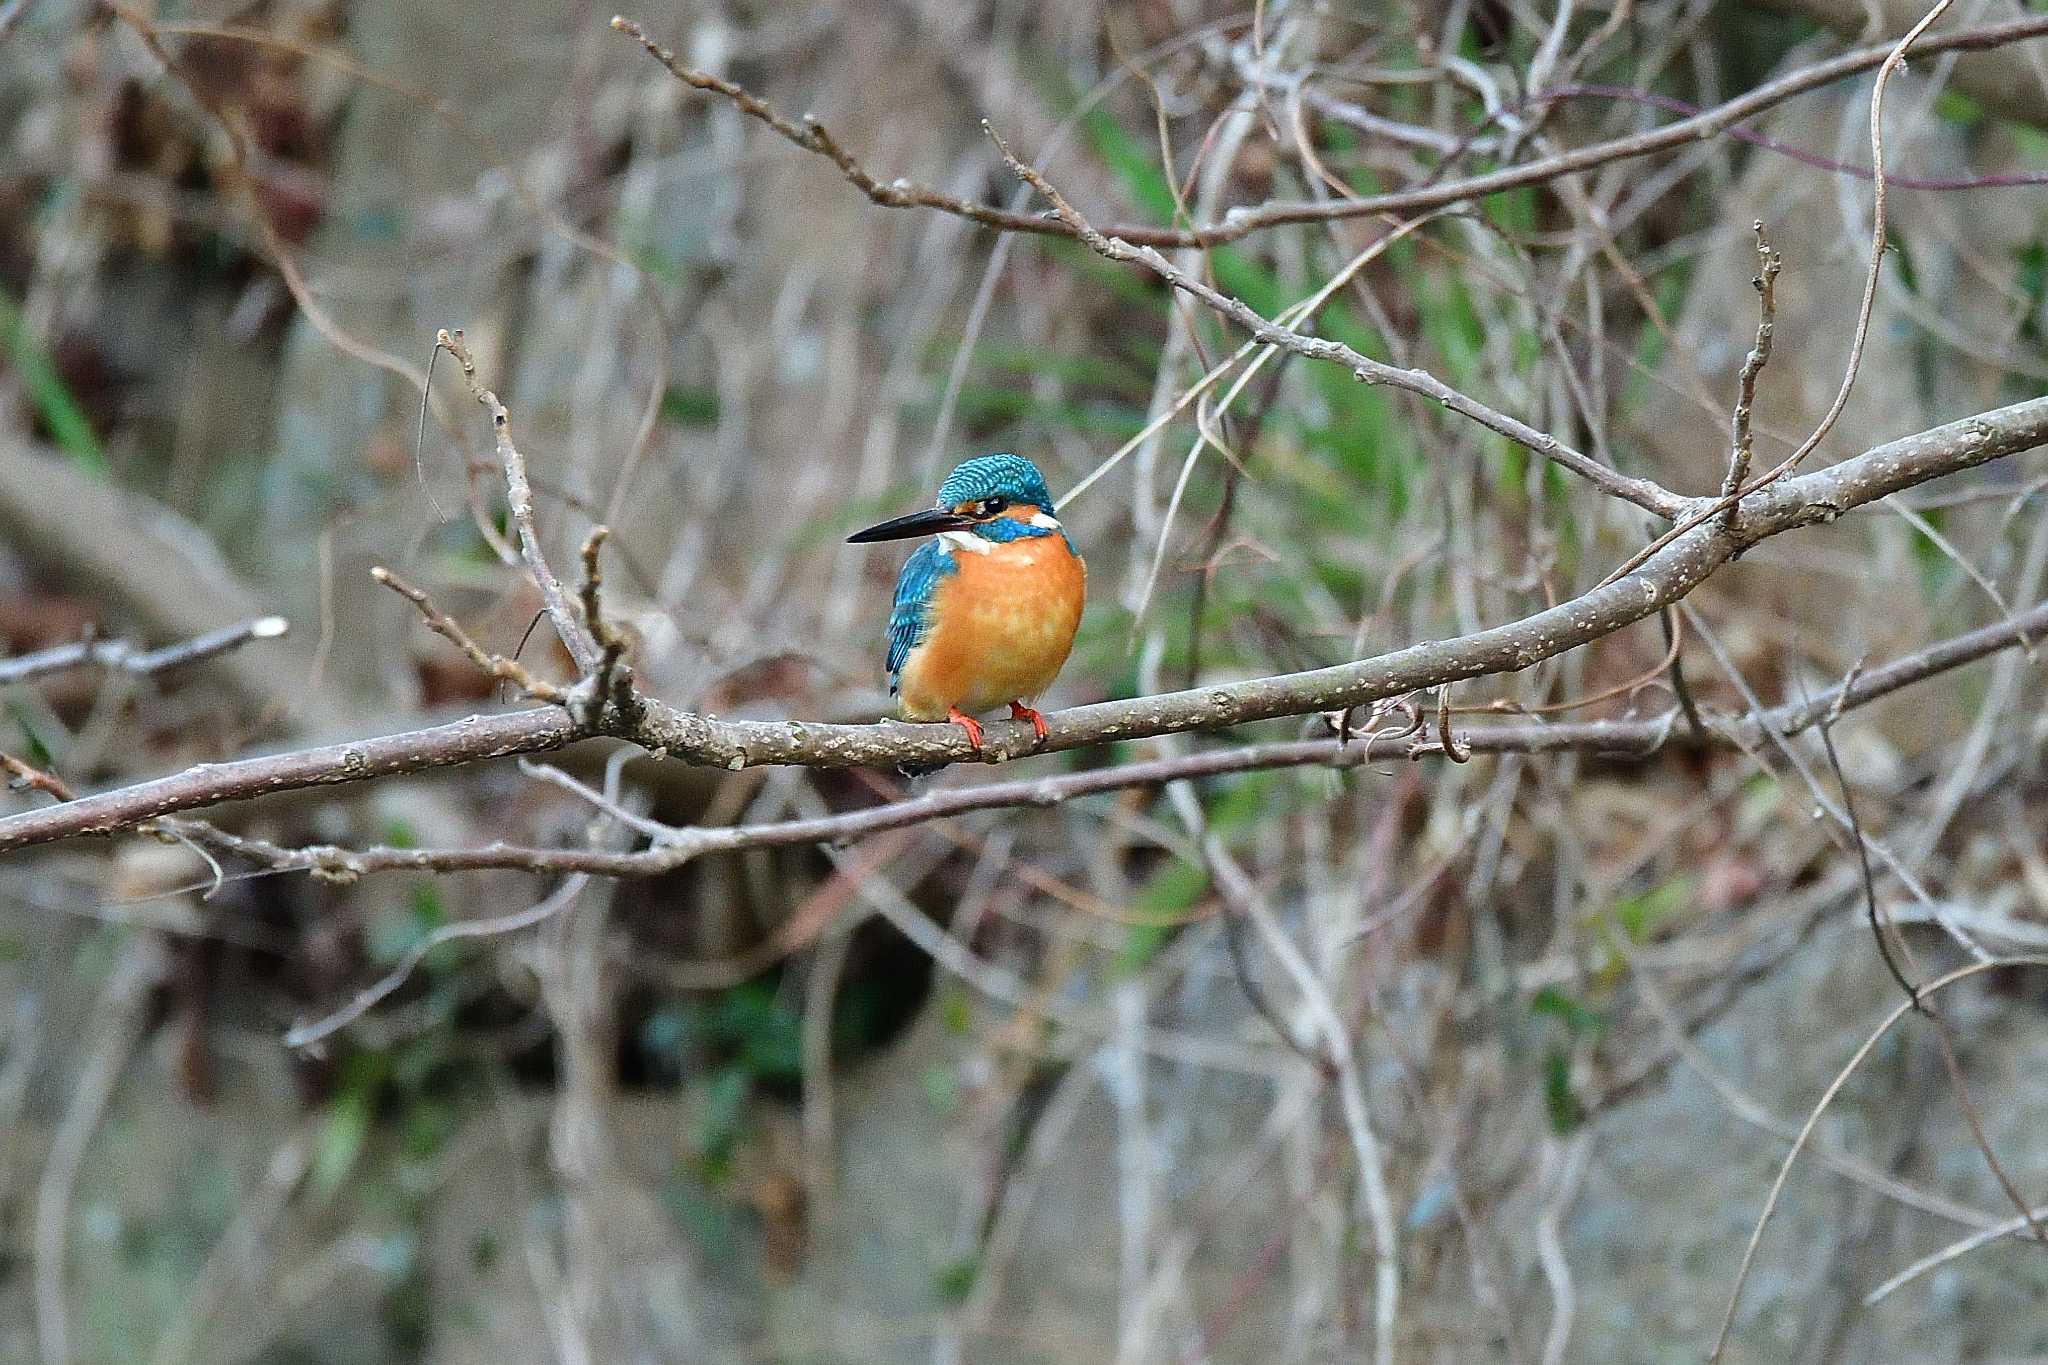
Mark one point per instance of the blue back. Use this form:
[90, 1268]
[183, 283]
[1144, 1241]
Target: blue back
[910, 619]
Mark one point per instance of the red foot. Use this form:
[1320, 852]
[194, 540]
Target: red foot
[967, 723]
[1019, 711]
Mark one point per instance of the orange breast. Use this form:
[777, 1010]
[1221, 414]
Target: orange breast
[1002, 624]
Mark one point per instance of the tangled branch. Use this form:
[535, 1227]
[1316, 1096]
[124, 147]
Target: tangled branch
[1243, 222]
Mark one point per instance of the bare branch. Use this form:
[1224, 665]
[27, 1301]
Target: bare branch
[1670, 574]
[445, 626]
[1741, 448]
[519, 499]
[673, 846]
[1651, 497]
[1240, 223]
[207, 784]
[119, 656]
[1858, 338]
[813, 136]
[1813, 1118]
[609, 681]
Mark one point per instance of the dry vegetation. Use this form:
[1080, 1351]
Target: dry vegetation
[1459, 912]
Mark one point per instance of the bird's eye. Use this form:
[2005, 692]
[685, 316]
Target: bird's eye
[994, 507]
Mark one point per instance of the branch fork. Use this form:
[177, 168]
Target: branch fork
[603, 698]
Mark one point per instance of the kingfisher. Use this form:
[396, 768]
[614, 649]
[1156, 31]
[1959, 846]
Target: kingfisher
[987, 607]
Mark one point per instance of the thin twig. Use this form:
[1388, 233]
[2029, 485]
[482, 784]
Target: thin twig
[1732, 498]
[1877, 924]
[1959, 1084]
[610, 681]
[1961, 1247]
[1820, 1108]
[1742, 448]
[1242, 222]
[36, 779]
[813, 136]
[445, 626]
[305, 1035]
[119, 656]
[1668, 623]
[519, 501]
[1943, 1033]
[1644, 493]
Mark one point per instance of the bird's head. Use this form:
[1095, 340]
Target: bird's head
[1000, 497]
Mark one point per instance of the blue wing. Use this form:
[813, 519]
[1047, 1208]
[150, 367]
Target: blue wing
[910, 620]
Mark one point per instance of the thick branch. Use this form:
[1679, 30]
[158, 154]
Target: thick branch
[208, 784]
[1639, 738]
[1821, 496]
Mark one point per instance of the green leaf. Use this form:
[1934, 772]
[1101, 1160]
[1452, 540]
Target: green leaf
[1169, 893]
[341, 1141]
[956, 1013]
[689, 407]
[718, 1127]
[1638, 915]
[953, 1282]
[1578, 1018]
[39, 753]
[1558, 1100]
[1953, 106]
[941, 1087]
[53, 402]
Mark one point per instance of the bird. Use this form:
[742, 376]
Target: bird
[987, 607]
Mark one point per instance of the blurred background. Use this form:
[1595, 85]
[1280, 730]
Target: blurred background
[994, 1089]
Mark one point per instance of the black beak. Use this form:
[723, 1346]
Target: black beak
[929, 522]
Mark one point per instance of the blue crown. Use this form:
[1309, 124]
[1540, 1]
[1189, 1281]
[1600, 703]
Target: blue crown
[995, 476]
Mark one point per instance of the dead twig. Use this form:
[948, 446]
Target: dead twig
[308, 1034]
[1239, 223]
[1943, 1032]
[582, 647]
[610, 680]
[445, 626]
[32, 778]
[1961, 1247]
[119, 656]
[1820, 1108]
[1733, 497]
[1659, 501]
[1742, 448]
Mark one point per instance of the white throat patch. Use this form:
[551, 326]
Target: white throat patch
[974, 544]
